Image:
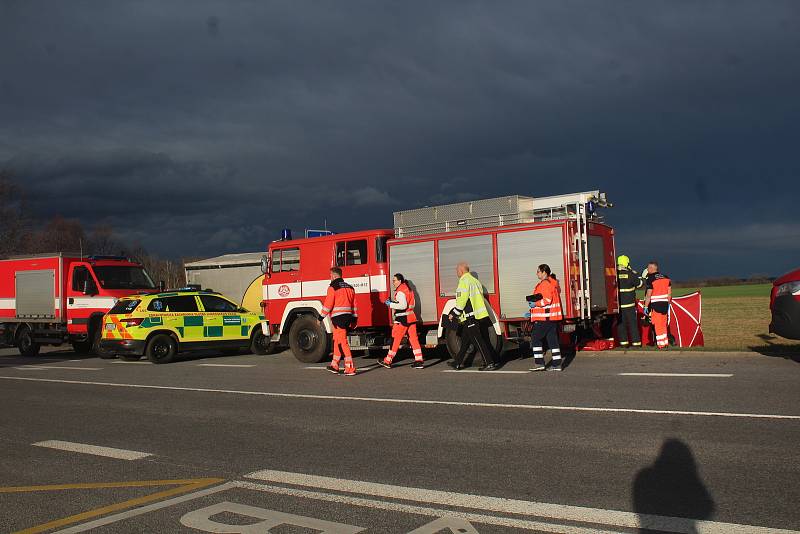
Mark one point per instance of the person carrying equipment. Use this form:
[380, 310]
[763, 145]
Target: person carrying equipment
[474, 318]
[545, 305]
[656, 302]
[340, 304]
[628, 281]
[405, 322]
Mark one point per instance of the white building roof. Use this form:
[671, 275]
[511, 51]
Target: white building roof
[243, 258]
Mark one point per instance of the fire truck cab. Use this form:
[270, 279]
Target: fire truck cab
[503, 240]
[51, 299]
[297, 279]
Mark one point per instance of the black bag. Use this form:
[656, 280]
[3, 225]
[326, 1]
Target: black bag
[534, 297]
[402, 319]
[448, 323]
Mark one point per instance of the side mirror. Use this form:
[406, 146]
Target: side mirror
[89, 287]
[264, 264]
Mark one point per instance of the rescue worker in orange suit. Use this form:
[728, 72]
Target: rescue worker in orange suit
[656, 302]
[340, 304]
[628, 281]
[545, 305]
[405, 322]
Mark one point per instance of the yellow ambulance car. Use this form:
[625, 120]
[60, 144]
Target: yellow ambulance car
[161, 325]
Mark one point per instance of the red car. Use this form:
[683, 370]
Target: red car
[785, 305]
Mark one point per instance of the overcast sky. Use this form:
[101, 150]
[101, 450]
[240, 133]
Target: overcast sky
[202, 128]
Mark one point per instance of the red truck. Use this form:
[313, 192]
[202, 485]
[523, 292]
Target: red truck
[51, 299]
[502, 239]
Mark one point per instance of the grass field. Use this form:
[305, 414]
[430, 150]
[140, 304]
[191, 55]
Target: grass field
[737, 318]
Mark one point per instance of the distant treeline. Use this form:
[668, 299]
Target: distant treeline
[726, 281]
[22, 234]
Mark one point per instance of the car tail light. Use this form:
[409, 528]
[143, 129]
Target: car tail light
[132, 321]
[789, 288]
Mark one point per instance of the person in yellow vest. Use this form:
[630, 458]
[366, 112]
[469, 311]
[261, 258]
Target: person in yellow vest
[405, 322]
[545, 304]
[471, 311]
[656, 302]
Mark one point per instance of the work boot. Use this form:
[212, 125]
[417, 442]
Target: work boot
[417, 365]
[332, 369]
[491, 367]
[538, 365]
[456, 366]
[555, 365]
[350, 372]
[384, 363]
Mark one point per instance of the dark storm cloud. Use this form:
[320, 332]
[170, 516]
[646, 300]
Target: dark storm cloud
[205, 127]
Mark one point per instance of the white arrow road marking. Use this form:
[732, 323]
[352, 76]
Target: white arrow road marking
[108, 452]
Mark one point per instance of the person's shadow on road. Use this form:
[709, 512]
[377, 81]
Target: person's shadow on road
[671, 488]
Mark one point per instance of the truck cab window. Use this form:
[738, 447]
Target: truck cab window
[79, 277]
[290, 259]
[351, 252]
[380, 249]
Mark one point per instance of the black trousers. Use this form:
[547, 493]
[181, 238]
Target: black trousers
[628, 323]
[475, 334]
[544, 330]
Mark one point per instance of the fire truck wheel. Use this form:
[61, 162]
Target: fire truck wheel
[259, 343]
[308, 340]
[453, 342]
[25, 343]
[96, 336]
[161, 349]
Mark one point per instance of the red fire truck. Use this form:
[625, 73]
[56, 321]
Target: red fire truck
[502, 239]
[51, 299]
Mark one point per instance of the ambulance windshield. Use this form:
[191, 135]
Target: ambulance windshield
[123, 277]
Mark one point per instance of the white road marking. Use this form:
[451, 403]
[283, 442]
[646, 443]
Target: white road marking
[134, 362]
[523, 524]
[223, 365]
[414, 401]
[558, 512]
[109, 452]
[692, 375]
[145, 509]
[30, 367]
[486, 372]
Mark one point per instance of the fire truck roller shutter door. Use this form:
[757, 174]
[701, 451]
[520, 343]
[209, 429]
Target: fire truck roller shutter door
[415, 261]
[476, 252]
[518, 256]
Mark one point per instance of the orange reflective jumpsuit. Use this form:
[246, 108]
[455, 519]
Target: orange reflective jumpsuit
[405, 323]
[340, 304]
[659, 306]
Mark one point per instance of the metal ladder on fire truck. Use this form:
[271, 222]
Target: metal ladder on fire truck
[582, 208]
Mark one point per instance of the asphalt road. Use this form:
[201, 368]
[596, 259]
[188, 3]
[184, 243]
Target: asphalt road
[615, 443]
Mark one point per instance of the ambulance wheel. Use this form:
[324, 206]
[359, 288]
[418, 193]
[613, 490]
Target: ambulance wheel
[161, 349]
[308, 340]
[453, 342]
[259, 343]
[25, 343]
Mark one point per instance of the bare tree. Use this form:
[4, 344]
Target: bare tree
[14, 225]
